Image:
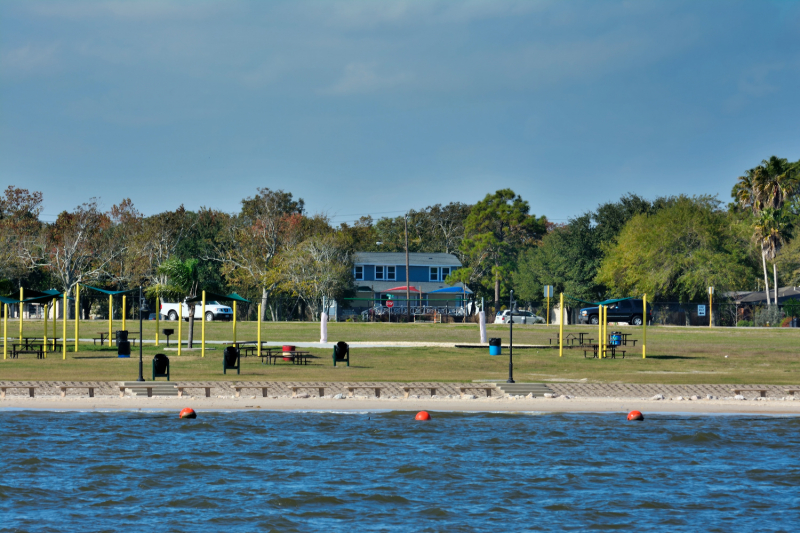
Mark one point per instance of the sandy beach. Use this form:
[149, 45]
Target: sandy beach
[528, 405]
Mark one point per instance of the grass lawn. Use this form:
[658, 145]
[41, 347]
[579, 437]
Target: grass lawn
[675, 355]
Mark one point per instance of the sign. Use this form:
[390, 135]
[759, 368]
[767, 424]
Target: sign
[548, 291]
[701, 310]
[390, 304]
[711, 291]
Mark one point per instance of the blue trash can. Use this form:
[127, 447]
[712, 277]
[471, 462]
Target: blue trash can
[495, 346]
[616, 338]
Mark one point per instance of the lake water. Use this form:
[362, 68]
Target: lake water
[382, 471]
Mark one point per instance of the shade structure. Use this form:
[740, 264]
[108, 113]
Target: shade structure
[452, 290]
[112, 293]
[401, 289]
[215, 297]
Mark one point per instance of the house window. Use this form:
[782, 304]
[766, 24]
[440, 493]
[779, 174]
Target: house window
[391, 272]
[445, 273]
[359, 272]
[379, 272]
[434, 274]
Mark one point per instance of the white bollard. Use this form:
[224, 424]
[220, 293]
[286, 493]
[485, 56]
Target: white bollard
[482, 323]
[323, 328]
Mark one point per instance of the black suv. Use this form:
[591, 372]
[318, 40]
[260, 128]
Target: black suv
[629, 311]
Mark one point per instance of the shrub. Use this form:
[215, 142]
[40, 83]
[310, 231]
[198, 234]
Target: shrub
[769, 316]
[744, 324]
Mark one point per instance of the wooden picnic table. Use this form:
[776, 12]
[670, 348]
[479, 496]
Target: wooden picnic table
[26, 347]
[251, 347]
[571, 339]
[103, 336]
[297, 357]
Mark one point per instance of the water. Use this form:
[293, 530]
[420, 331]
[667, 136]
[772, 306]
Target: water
[382, 471]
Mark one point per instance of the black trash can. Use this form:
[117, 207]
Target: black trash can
[230, 359]
[123, 349]
[122, 336]
[160, 366]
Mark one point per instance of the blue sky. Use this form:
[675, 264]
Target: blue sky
[364, 107]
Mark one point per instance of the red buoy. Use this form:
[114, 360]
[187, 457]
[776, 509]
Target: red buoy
[423, 415]
[188, 412]
[635, 415]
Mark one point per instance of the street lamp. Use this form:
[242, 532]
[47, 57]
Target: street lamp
[143, 308]
[511, 338]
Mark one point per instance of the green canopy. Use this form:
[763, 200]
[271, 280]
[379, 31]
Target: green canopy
[212, 296]
[113, 293]
[35, 297]
[604, 302]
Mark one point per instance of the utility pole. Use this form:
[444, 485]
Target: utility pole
[408, 289]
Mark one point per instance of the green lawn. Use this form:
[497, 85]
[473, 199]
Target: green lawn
[675, 355]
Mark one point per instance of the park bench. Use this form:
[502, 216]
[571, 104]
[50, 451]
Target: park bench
[351, 389]
[63, 388]
[138, 386]
[614, 352]
[37, 349]
[239, 386]
[206, 386]
[320, 390]
[407, 390]
[761, 392]
[5, 386]
[791, 391]
[487, 389]
[590, 348]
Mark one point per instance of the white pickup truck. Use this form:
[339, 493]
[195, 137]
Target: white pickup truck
[214, 311]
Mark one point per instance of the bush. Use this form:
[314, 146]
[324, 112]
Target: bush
[744, 324]
[769, 316]
[787, 322]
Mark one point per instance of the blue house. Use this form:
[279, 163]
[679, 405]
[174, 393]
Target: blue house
[381, 276]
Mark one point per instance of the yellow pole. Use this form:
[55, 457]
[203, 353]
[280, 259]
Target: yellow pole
[64, 328]
[203, 328]
[124, 306]
[5, 332]
[77, 314]
[45, 331]
[548, 308]
[710, 309]
[605, 326]
[110, 316]
[180, 326]
[560, 326]
[600, 328]
[234, 322]
[644, 327]
[55, 329]
[259, 330]
[158, 316]
[21, 307]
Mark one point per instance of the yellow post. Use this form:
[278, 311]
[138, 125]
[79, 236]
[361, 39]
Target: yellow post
[259, 330]
[55, 308]
[21, 307]
[158, 316]
[64, 328]
[110, 316]
[124, 306]
[548, 308]
[600, 328]
[5, 332]
[605, 329]
[710, 308]
[234, 322]
[644, 327]
[77, 314]
[203, 328]
[560, 326]
[180, 326]
[45, 332]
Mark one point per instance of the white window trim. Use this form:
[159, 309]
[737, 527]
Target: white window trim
[430, 273]
[355, 272]
[393, 275]
[383, 273]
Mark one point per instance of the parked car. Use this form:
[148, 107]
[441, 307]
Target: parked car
[520, 317]
[629, 311]
[214, 311]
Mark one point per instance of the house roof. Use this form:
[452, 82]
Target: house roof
[784, 293]
[399, 258]
[425, 287]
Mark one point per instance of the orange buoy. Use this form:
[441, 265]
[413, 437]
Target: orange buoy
[188, 412]
[423, 415]
[635, 415]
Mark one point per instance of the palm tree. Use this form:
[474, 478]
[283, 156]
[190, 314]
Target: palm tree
[772, 228]
[182, 281]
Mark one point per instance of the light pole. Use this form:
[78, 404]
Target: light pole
[511, 338]
[408, 289]
[143, 308]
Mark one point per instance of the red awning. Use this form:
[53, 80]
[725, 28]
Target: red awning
[401, 289]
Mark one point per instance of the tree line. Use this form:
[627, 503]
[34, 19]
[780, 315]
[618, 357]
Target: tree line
[273, 251]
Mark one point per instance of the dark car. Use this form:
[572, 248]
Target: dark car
[629, 311]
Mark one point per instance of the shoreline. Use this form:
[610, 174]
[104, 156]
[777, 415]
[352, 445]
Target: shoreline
[501, 405]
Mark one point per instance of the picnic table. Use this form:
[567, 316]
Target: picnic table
[250, 347]
[297, 357]
[624, 340]
[31, 347]
[571, 338]
[103, 336]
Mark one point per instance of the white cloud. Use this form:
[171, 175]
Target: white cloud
[29, 59]
[363, 78]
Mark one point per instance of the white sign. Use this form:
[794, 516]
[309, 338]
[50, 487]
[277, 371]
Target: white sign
[548, 291]
[711, 291]
[701, 310]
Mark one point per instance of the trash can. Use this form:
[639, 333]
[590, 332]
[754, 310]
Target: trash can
[615, 339]
[122, 336]
[123, 348]
[495, 346]
[160, 366]
[230, 359]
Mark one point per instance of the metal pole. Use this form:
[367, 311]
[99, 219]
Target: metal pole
[44, 348]
[561, 328]
[511, 338]
[5, 332]
[77, 315]
[141, 338]
[158, 316]
[64, 328]
[180, 327]
[644, 327]
[234, 322]
[408, 290]
[259, 330]
[21, 307]
[110, 315]
[124, 306]
[203, 328]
